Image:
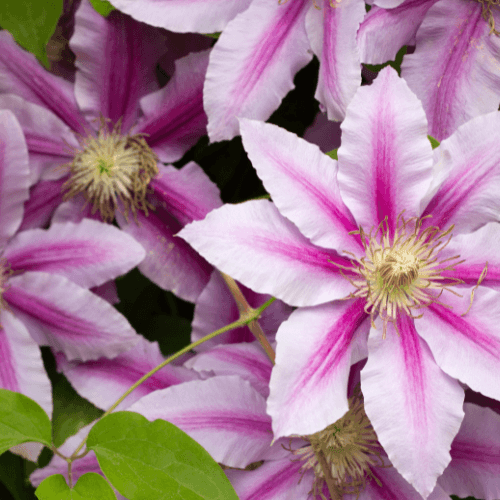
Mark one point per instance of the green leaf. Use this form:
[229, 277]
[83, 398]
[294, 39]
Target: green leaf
[13, 473]
[434, 142]
[155, 460]
[90, 486]
[333, 154]
[22, 420]
[31, 22]
[213, 35]
[103, 7]
[396, 64]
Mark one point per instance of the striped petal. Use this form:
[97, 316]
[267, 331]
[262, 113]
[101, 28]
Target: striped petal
[384, 31]
[49, 140]
[14, 175]
[68, 318]
[316, 347]
[185, 16]
[88, 253]
[255, 244]
[454, 70]
[466, 177]
[116, 58]
[103, 381]
[466, 347]
[174, 118]
[22, 370]
[475, 456]
[253, 63]
[274, 480]
[477, 249]
[23, 75]
[332, 35]
[226, 415]
[245, 360]
[414, 407]
[385, 157]
[303, 184]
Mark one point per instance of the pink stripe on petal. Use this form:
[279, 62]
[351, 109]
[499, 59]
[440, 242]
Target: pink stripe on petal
[252, 65]
[332, 34]
[471, 341]
[425, 403]
[303, 184]
[8, 379]
[313, 358]
[385, 156]
[466, 177]
[455, 68]
[69, 318]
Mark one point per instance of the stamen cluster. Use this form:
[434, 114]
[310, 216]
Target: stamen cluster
[112, 167]
[342, 454]
[402, 272]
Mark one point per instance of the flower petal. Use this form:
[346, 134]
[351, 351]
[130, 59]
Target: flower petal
[69, 318]
[115, 59]
[455, 68]
[316, 347]
[253, 63]
[88, 253]
[466, 348]
[255, 244]
[22, 74]
[414, 407]
[245, 360]
[274, 480]
[198, 16]
[226, 415]
[466, 177]
[385, 156]
[103, 380]
[303, 184]
[187, 193]
[475, 466]
[215, 308]
[44, 198]
[49, 139]
[384, 31]
[170, 262]
[14, 175]
[22, 370]
[477, 249]
[332, 35]
[174, 118]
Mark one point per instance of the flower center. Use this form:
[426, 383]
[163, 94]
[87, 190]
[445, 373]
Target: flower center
[341, 456]
[487, 6]
[112, 167]
[402, 272]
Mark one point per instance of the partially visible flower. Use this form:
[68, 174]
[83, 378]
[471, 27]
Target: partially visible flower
[364, 248]
[455, 69]
[44, 282]
[100, 141]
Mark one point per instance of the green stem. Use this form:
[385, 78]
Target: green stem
[244, 320]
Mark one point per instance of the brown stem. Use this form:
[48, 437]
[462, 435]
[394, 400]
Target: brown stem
[245, 308]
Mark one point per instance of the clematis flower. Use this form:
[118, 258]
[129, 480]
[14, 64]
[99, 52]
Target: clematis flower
[381, 252]
[455, 69]
[97, 144]
[262, 45]
[44, 280]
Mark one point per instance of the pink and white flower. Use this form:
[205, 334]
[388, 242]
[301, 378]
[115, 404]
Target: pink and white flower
[361, 247]
[111, 129]
[455, 69]
[45, 276]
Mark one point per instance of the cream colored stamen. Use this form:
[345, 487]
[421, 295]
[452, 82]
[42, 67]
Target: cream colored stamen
[112, 167]
[348, 448]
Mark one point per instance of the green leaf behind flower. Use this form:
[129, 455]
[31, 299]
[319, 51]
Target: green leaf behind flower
[90, 486]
